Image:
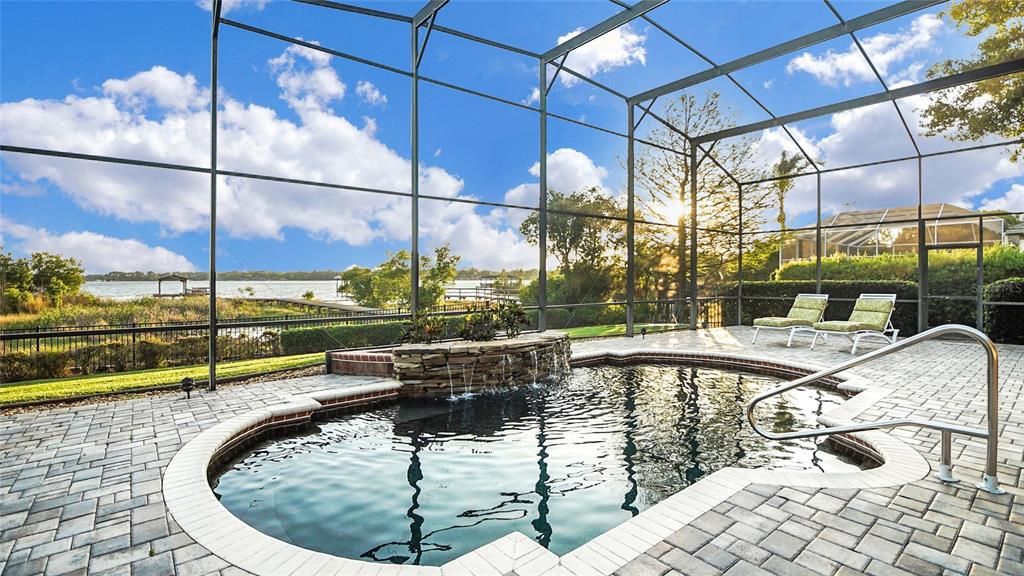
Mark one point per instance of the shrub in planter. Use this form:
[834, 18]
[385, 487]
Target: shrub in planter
[511, 318]
[424, 329]
[479, 326]
[1005, 323]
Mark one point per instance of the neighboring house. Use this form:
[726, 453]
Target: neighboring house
[894, 231]
[1015, 235]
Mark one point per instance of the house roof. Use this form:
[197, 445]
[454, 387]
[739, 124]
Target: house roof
[177, 277]
[884, 215]
[858, 226]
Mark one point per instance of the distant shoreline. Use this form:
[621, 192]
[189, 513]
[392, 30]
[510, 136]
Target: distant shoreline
[271, 276]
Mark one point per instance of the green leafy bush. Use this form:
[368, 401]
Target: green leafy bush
[950, 272]
[119, 356]
[759, 299]
[321, 338]
[511, 318]
[16, 366]
[479, 326]
[151, 353]
[425, 328]
[597, 315]
[52, 364]
[87, 356]
[1005, 323]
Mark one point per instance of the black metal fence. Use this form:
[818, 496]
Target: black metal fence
[56, 351]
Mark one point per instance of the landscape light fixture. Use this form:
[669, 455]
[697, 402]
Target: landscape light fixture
[187, 385]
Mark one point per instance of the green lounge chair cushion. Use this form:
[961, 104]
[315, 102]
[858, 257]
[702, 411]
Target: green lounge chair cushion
[872, 312]
[844, 326]
[805, 311]
[778, 322]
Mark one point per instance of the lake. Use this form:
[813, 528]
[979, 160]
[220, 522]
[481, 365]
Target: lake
[323, 290]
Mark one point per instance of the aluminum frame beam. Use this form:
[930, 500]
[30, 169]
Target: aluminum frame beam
[602, 28]
[975, 75]
[358, 10]
[807, 40]
[428, 10]
[214, 59]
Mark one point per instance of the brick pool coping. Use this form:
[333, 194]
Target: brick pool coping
[190, 499]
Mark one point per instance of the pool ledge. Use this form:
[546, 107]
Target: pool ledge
[193, 505]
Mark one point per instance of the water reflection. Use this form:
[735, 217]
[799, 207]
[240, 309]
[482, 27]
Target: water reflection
[423, 483]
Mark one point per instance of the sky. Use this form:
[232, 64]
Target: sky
[131, 79]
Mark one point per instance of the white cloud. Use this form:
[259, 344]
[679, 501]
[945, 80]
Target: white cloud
[620, 47]
[159, 85]
[873, 133]
[533, 98]
[886, 50]
[133, 118]
[568, 170]
[97, 253]
[230, 5]
[1012, 201]
[769, 84]
[21, 189]
[370, 93]
[304, 87]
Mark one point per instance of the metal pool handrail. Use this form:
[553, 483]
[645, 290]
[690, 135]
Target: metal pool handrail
[990, 481]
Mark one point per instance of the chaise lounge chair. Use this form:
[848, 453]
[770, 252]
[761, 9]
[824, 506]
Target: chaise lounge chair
[871, 318]
[806, 310]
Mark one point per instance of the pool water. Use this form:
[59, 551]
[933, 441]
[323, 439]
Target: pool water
[425, 482]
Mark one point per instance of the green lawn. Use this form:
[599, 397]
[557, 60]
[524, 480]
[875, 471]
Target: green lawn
[105, 383]
[617, 329]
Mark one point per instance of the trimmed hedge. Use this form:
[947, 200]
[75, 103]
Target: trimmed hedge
[1005, 323]
[319, 339]
[596, 315]
[904, 317]
[17, 366]
[950, 272]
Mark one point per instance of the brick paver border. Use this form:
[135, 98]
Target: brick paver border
[193, 505]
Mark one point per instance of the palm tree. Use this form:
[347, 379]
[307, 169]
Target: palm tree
[787, 165]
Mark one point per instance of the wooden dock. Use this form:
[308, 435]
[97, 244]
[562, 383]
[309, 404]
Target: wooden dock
[351, 308]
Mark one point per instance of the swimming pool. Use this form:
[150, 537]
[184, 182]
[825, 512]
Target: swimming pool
[423, 482]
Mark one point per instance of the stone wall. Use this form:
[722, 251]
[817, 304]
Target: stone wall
[452, 368]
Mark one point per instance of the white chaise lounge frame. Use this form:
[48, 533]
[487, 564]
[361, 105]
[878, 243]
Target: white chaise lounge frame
[859, 335]
[793, 329]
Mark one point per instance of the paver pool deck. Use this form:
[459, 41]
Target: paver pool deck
[81, 486]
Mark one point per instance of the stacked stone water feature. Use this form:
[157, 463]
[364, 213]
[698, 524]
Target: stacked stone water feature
[453, 368]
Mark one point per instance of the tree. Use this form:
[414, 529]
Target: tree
[436, 275]
[15, 272]
[993, 106]
[389, 284]
[56, 276]
[783, 169]
[50, 275]
[663, 195]
[587, 248]
[787, 165]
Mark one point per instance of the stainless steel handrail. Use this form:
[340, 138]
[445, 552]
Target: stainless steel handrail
[990, 480]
